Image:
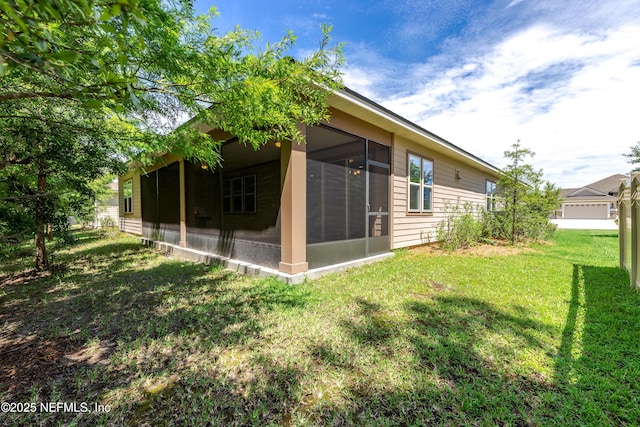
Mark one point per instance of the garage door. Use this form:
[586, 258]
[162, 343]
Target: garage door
[587, 211]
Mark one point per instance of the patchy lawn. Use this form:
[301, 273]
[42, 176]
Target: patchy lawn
[546, 335]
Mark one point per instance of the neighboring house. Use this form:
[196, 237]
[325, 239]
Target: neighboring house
[108, 208]
[366, 182]
[597, 200]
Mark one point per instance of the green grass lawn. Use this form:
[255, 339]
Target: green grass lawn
[546, 336]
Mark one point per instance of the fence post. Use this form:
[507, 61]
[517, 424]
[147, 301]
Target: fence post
[622, 222]
[635, 228]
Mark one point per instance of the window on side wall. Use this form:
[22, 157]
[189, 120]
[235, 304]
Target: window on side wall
[420, 179]
[239, 194]
[491, 195]
[127, 196]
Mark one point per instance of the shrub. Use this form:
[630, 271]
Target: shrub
[467, 225]
[462, 227]
[107, 222]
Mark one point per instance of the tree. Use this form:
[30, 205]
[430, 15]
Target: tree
[634, 156]
[52, 163]
[528, 201]
[88, 83]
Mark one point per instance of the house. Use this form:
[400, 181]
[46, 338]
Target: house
[597, 200]
[366, 182]
[107, 211]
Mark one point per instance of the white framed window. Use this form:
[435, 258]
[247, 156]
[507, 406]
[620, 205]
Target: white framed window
[127, 196]
[420, 184]
[239, 194]
[491, 195]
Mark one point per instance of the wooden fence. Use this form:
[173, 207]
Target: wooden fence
[629, 227]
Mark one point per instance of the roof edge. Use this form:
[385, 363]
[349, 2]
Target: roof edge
[414, 127]
[352, 96]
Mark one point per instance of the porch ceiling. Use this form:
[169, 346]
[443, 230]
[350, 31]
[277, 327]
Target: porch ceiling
[236, 155]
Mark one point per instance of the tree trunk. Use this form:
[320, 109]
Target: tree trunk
[513, 218]
[42, 262]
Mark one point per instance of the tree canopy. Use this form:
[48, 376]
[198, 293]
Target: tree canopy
[158, 62]
[87, 84]
[634, 156]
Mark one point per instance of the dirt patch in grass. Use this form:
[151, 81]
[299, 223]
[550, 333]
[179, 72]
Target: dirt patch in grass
[22, 277]
[25, 277]
[494, 249]
[32, 361]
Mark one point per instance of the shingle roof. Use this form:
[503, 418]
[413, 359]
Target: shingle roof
[565, 191]
[606, 187]
[583, 198]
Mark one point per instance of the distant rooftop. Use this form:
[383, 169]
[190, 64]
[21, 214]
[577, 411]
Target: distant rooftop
[605, 187]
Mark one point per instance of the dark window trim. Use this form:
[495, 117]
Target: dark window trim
[127, 202]
[234, 194]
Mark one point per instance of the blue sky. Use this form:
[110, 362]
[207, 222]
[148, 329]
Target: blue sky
[561, 76]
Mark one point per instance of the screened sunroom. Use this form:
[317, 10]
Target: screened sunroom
[234, 210]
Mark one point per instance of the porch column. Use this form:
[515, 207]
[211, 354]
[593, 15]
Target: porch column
[183, 207]
[293, 208]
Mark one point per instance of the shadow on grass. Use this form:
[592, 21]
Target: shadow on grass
[115, 315]
[176, 343]
[21, 257]
[448, 348]
[608, 236]
[598, 363]
[467, 354]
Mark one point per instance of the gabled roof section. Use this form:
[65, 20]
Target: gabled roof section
[359, 106]
[604, 188]
[586, 191]
[609, 184]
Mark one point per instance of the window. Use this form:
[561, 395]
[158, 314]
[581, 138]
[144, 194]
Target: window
[491, 195]
[239, 194]
[420, 184]
[127, 193]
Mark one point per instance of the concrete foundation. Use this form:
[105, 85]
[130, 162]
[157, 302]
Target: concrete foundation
[258, 270]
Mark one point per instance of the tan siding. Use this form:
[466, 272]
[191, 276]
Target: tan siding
[347, 123]
[137, 198]
[415, 229]
[131, 225]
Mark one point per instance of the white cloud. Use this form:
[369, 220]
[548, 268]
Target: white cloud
[572, 97]
[514, 3]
